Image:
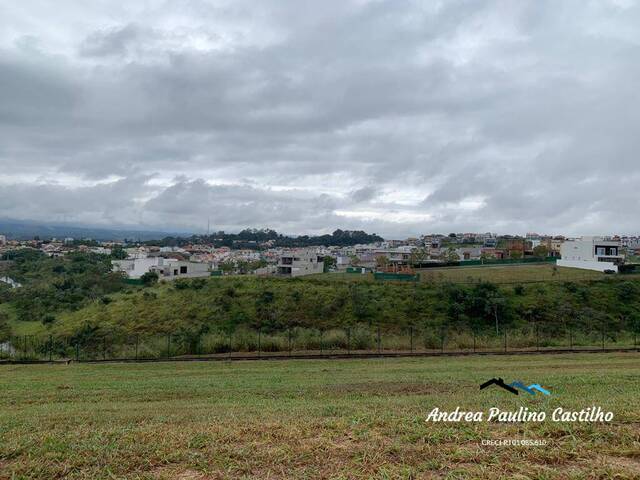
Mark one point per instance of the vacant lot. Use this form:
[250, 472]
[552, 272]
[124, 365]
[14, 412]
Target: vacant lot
[509, 274]
[313, 419]
[523, 273]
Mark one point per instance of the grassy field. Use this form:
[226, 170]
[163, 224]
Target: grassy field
[508, 274]
[314, 419]
[492, 273]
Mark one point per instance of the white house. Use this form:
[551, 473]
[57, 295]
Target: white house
[166, 268]
[300, 262]
[10, 281]
[591, 253]
[101, 250]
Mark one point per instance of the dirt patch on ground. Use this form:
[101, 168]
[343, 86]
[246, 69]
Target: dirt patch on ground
[627, 464]
[389, 388]
[166, 473]
[600, 466]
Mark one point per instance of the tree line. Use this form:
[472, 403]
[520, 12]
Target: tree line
[253, 238]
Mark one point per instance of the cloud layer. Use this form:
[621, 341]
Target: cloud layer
[395, 117]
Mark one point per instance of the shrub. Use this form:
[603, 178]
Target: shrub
[149, 278]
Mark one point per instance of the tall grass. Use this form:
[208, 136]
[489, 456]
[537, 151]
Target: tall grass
[357, 338]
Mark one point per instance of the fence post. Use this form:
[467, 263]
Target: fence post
[379, 340]
[602, 335]
[348, 340]
[77, 351]
[411, 337]
[321, 349]
[289, 339]
[230, 343]
[50, 348]
[442, 339]
[570, 337]
[474, 339]
[168, 345]
[104, 348]
[26, 353]
[537, 337]
[505, 340]
[137, 341]
[259, 340]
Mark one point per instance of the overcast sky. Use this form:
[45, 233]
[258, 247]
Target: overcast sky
[395, 117]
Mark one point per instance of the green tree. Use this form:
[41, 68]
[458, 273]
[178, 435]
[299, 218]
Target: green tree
[149, 278]
[540, 251]
[118, 253]
[418, 255]
[329, 262]
[227, 267]
[516, 254]
[450, 255]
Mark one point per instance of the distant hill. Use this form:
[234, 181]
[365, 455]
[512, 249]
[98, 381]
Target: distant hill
[25, 230]
[248, 238]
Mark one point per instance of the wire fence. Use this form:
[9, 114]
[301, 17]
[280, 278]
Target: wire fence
[356, 340]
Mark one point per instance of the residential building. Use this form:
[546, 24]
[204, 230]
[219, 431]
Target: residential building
[166, 268]
[300, 262]
[469, 253]
[101, 250]
[591, 253]
[3, 239]
[551, 244]
[490, 242]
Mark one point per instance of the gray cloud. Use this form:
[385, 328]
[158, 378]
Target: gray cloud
[401, 118]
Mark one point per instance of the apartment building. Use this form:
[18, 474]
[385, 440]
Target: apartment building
[591, 253]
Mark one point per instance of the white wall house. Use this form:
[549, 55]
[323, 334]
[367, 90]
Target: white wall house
[591, 253]
[10, 281]
[101, 250]
[300, 262]
[166, 268]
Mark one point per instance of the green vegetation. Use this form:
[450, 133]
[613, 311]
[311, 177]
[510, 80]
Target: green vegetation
[252, 238]
[356, 419]
[78, 301]
[228, 312]
[54, 285]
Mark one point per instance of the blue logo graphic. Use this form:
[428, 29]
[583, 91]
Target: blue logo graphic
[531, 388]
